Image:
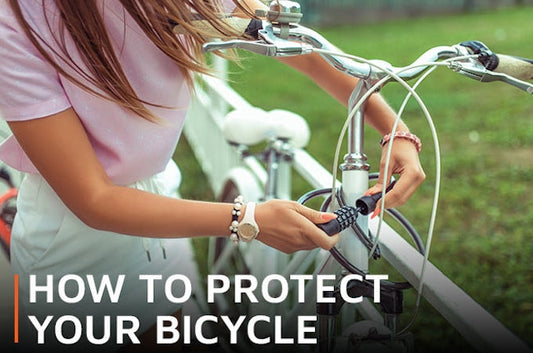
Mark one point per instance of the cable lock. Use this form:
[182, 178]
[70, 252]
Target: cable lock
[347, 215]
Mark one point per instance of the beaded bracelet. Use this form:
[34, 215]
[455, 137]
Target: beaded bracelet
[235, 213]
[403, 135]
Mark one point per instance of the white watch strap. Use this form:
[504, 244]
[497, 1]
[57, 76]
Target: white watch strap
[247, 229]
[249, 213]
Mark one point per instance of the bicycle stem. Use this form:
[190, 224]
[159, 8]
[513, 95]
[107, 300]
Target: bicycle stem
[355, 159]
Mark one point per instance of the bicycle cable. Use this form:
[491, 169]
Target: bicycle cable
[365, 239]
[411, 93]
[340, 258]
[389, 150]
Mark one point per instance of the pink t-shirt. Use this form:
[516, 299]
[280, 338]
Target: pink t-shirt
[129, 147]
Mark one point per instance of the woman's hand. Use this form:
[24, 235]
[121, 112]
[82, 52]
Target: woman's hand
[403, 161]
[289, 226]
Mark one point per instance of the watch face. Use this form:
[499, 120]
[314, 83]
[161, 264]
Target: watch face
[247, 231]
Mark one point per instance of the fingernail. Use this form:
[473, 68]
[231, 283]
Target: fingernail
[368, 193]
[328, 216]
[377, 211]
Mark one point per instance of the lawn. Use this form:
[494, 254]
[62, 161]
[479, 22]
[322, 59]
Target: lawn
[483, 238]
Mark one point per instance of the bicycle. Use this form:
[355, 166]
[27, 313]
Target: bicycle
[281, 36]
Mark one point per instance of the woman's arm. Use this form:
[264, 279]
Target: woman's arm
[60, 149]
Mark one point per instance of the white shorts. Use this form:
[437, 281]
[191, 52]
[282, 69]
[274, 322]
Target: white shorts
[48, 239]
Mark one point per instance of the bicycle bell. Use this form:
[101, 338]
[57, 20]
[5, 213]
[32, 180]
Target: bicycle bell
[282, 12]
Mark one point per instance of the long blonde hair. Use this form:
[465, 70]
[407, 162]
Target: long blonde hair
[82, 20]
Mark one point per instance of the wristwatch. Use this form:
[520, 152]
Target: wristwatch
[247, 228]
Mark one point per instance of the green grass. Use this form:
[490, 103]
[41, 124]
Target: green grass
[483, 237]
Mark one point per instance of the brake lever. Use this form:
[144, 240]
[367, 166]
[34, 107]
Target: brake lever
[284, 47]
[258, 47]
[279, 48]
[491, 76]
[268, 45]
[483, 75]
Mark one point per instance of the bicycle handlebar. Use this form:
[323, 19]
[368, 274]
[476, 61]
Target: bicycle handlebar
[474, 59]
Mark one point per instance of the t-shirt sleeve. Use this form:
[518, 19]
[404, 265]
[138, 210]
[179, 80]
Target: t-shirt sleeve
[29, 86]
[229, 5]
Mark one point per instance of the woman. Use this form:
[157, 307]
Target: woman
[95, 93]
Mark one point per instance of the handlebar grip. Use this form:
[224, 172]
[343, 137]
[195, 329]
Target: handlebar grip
[346, 216]
[514, 66]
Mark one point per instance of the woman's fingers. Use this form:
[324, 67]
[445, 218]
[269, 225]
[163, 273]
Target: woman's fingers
[289, 226]
[315, 234]
[404, 162]
[403, 189]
